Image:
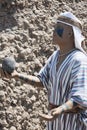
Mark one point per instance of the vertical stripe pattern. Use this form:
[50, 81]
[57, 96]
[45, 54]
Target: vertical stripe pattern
[68, 82]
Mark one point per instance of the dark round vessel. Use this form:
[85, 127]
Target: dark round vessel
[9, 64]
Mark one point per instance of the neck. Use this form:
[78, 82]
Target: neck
[66, 53]
[66, 49]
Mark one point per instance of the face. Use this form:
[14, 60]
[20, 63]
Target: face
[62, 33]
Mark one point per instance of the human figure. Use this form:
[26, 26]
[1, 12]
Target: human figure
[64, 76]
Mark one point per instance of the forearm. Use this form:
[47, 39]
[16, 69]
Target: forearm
[69, 106]
[32, 80]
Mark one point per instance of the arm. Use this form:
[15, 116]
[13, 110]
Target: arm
[70, 106]
[32, 80]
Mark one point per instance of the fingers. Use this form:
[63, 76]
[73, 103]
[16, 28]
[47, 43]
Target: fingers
[8, 76]
[4, 74]
[53, 112]
[47, 117]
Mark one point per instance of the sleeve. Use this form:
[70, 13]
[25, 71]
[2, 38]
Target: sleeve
[44, 74]
[78, 92]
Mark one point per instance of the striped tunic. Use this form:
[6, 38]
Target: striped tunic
[69, 82]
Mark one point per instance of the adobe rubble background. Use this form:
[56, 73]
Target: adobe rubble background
[26, 28]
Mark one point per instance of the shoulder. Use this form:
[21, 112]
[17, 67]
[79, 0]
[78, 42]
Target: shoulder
[80, 57]
[55, 53]
[53, 56]
[79, 63]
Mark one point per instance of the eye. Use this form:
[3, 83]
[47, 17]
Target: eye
[59, 31]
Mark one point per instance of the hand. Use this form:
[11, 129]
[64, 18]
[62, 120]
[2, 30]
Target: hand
[4, 74]
[53, 114]
[56, 111]
[15, 74]
[47, 117]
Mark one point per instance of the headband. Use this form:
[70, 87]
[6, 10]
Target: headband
[70, 21]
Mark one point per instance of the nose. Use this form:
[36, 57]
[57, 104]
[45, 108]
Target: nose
[54, 32]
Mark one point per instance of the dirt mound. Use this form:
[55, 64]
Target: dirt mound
[26, 34]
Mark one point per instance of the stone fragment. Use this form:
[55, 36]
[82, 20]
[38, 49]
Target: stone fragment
[26, 24]
[2, 95]
[12, 128]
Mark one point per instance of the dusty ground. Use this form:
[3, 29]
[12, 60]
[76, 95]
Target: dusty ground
[26, 34]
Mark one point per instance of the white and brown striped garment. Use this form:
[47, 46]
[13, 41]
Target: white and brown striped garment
[69, 82]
